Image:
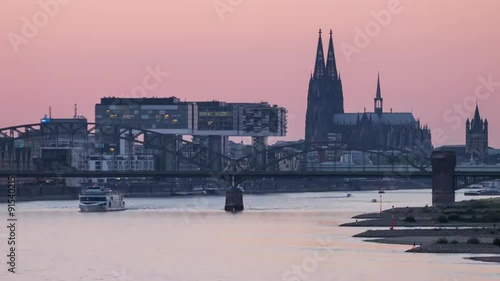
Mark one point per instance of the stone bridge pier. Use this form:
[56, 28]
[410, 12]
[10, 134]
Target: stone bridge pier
[443, 181]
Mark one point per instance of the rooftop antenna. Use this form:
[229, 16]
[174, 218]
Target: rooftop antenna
[50, 111]
[76, 109]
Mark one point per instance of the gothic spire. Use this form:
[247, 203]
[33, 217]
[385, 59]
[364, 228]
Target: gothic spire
[331, 65]
[319, 68]
[477, 117]
[378, 100]
[379, 94]
[477, 123]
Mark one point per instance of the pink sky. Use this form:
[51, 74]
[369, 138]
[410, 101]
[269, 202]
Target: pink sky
[430, 56]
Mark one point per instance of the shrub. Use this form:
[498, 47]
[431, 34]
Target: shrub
[426, 209]
[442, 219]
[454, 242]
[496, 242]
[470, 211]
[480, 204]
[491, 217]
[409, 219]
[442, 240]
[454, 217]
[473, 240]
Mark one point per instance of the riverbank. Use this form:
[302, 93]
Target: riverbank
[466, 227]
[30, 191]
[486, 259]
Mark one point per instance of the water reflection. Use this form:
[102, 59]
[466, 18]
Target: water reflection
[278, 237]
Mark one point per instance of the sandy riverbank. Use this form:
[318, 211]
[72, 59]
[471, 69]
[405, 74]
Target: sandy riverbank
[486, 259]
[467, 227]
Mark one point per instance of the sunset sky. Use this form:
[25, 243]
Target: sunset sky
[431, 55]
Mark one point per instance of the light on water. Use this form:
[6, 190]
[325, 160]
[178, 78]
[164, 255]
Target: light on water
[277, 237]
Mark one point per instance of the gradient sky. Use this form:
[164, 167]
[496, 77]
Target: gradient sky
[430, 56]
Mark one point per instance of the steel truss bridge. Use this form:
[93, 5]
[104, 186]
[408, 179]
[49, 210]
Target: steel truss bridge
[175, 157]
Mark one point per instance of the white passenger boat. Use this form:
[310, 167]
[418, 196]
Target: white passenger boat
[488, 188]
[100, 199]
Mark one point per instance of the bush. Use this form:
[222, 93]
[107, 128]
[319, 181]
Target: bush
[442, 240]
[454, 242]
[480, 204]
[470, 211]
[496, 242]
[442, 219]
[454, 217]
[491, 217]
[473, 240]
[409, 219]
[426, 209]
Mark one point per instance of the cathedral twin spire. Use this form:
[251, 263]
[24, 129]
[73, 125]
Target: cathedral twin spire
[330, 70]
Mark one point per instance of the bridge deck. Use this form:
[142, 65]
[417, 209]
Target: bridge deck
[353, 173]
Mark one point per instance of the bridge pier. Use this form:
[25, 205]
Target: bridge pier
[216, 148]
[234, 198]
[166, 147]
[259, 147]
[443, 181]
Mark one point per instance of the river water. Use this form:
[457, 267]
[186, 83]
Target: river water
[278, 237]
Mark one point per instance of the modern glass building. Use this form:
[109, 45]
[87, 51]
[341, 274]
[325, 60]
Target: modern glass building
[174, 117]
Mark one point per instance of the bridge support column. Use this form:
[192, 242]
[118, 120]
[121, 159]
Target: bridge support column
[166, 146]
[234, 198]
[443, 182]
[216, 148]
[259, 147]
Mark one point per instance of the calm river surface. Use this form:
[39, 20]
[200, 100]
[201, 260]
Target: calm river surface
[278, 237]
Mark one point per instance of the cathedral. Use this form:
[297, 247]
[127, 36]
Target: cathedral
[327, 121]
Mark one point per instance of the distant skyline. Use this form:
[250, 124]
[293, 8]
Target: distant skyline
[436, 58]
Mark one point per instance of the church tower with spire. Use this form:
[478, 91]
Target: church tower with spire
[476, 137]
[325, 97]
[378, 100]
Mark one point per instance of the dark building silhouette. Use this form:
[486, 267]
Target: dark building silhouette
[476, 137]
[325, 97]
[326, 120]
